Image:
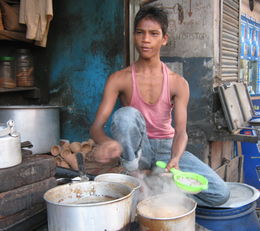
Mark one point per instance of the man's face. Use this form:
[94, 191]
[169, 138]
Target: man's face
[149, 38]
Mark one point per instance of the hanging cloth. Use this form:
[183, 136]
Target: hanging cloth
[37, 15]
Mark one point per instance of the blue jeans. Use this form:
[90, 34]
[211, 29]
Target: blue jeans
[128, 128]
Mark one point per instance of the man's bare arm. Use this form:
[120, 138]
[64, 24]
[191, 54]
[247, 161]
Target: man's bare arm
[180, 122]
[104, 111]
[107, 148]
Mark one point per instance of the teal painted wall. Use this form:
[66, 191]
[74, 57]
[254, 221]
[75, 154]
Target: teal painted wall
[85, 45]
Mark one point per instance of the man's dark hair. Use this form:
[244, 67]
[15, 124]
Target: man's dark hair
[153, 13]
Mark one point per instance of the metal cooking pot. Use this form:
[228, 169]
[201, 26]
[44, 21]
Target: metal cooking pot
[93, 206]
[38, 124]
[132, 182]
[10, 146]
[167, 212]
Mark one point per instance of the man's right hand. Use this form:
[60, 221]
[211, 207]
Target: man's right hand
[107, 151]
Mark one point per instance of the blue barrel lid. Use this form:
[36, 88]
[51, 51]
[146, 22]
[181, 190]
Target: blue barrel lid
[240, 194]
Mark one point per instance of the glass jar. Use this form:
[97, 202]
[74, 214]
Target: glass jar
[24, 69]
[7, 74]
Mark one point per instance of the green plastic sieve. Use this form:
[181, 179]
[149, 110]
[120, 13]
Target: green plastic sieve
[187, 181]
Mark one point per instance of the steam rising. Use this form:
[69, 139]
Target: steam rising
[160, 197]
[157, 183]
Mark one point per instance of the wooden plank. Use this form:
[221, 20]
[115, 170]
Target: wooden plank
[9, 221]
[233, 171]
[24, 197]
[221, 171]
[32, 223]
[239, 148]
[227, 150]
[33, 168]
[215, 154]
[18, 89]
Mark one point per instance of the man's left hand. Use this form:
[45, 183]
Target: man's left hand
[173, 163]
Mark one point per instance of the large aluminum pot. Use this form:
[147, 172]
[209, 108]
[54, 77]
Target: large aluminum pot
[89, 206]
[167, 212]
[38, 124]
[130, 181]
[10, 145]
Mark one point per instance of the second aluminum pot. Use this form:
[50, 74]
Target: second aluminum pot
[167, 212]
[36, 123]
[84, 206]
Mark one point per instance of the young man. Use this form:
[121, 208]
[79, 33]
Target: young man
[141, 130]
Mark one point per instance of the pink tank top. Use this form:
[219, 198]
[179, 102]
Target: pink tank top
[158, 116]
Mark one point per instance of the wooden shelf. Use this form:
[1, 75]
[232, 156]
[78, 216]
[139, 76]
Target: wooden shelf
[15, 36]
[29, 92]
[17, 89]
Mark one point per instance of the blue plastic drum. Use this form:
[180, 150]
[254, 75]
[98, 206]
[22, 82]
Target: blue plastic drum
[232, 219]
[237, 214]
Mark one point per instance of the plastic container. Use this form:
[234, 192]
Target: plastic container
[7, 75]
[251, 165]
[237, 219]
[24, 68]
[251, 162]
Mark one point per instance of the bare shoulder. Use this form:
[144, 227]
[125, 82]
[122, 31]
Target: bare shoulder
[120, 80]
[177, 82]
[121, 74]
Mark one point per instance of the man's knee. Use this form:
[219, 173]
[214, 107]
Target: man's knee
[219, 197]
[125, 113]
[222, 196]
[127, 117]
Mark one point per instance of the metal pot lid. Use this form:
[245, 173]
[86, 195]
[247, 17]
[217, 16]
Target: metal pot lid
[31, 107]
[240, 195]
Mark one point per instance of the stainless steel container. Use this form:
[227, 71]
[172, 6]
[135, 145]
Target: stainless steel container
[130, 181]
[167, 212]
[84, 206]
[38, 124]
[10, 146]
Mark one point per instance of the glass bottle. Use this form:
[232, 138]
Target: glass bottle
[7, 75]
[24, 68]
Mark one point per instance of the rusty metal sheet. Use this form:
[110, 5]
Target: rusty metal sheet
[238, 109]
[231, 107]
[245, 101]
